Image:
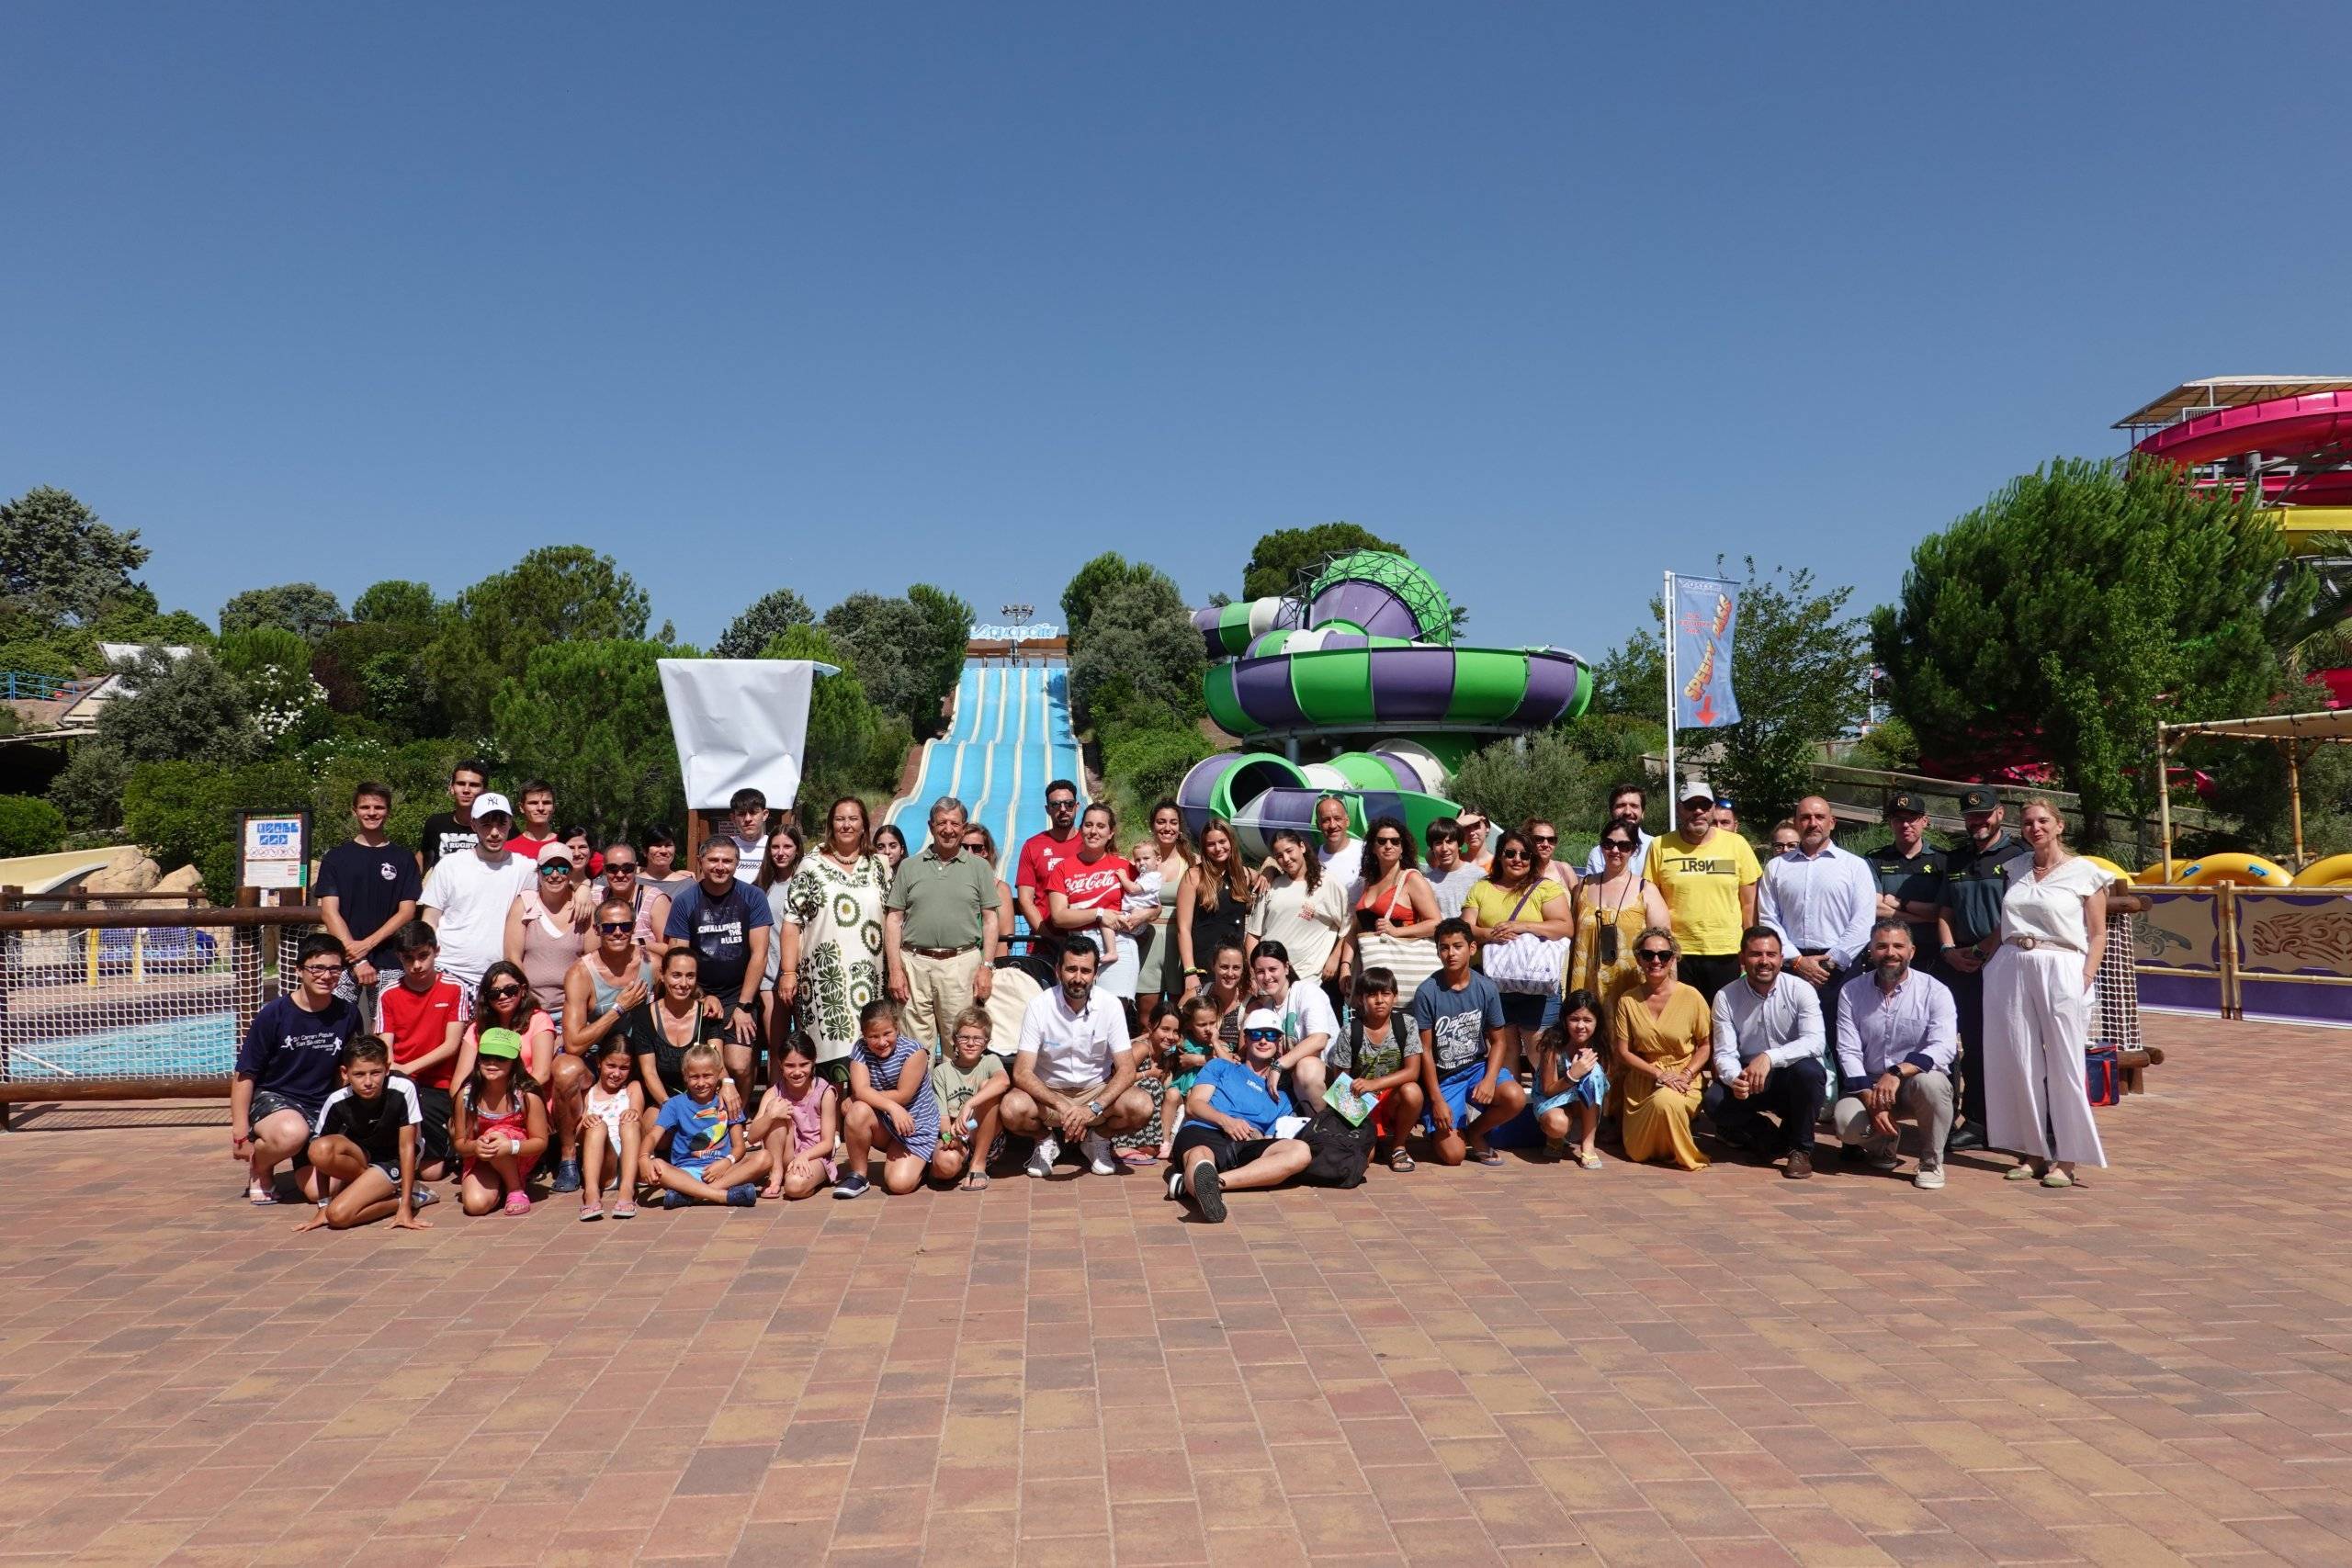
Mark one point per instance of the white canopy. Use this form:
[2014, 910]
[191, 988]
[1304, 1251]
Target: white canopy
[738, 722]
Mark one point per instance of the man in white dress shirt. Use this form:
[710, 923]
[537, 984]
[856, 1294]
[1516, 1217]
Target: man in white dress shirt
[1822, 901]
[1768, 1058]
[1898, 1032]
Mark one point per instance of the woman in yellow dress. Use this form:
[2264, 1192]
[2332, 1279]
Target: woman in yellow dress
[1662, 1035]
[1614, 906]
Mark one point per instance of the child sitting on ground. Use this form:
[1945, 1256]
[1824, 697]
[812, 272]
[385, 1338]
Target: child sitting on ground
[699, 1127]
[1196, 1045]
[500, 1126]
[364, 1147]
[1380, 1050]
[1154, 1050]
[798, 1118]
[612, 1122]
[1569, 1081]
[890, 1106]
[969, 1086]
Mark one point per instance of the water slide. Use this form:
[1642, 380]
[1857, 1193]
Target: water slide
[1010, 736]
[2311, 430]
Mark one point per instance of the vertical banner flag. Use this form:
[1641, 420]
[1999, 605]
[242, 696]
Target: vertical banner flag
[1705, 610]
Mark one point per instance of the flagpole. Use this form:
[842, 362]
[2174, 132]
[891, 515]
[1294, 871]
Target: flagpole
[1667, 624]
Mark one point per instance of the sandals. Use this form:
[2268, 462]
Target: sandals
[1398, 1160]
[624, 1210]
[1485, 1157]
[261, 1194]
[2021, 1173]
[2057, 1179]
[1137, 1157]
[975, 1181]
[1588, 1159]
[589, 1212]
[518, 1203]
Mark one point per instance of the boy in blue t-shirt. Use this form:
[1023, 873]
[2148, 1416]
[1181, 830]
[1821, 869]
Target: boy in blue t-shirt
[708, 1162]
[1460, 1014]
[1226, 1142]
[289, 1063]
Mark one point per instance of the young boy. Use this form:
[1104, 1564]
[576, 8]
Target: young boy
[747, 819]
[969, 1085]
[536, 831]
[424, 1017]
[701, 1135]
[1381, 1050]
[1460, 1015]
[366, 891]
[285, 1069]
[365, 1146]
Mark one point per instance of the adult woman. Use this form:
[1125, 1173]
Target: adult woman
[610, 978]
[1085, 892]
[649, 906]
[661, 871]
[546, 930]
[828, 927]
[1516, 900]
[1227, 987]
[1212, 904]
[1784, 836]
[585, 861]
[1662, 1036]
[1395, 914]
[1613, 910]
[1542, 843]
[1163, 963]
[891, 845]
[1301, 908]
[2037, 1008]
[979, 841]
[662, 1029]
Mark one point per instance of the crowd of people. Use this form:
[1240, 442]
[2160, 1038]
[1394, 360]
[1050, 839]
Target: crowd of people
[511, 1008]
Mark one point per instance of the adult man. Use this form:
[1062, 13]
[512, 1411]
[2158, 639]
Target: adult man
[1626, 808]
[536, 831]
[467, 895]
[1727, 814]
[1896, 1039]
[1708, 878]
[451, 831]
[1768, 1057]
[1342, 853]
[1822, 901]
[1460, 1014]
[1226, 1142]
[1074, 1070]
[1044, 850]
[939, 928]
[1304, 1014]
[730, 923]
[1910, 876]
[1968, 933]
[747, 824]
[1450, 876]
[366, 891]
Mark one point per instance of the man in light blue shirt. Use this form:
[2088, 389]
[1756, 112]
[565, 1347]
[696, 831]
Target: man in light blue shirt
[1898, 1032]
[1821, 900]
[1768, 1058]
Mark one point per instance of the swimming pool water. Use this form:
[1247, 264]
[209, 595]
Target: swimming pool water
[189, 1046]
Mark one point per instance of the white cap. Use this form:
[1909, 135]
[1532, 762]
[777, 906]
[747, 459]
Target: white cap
[1696, 789]
[490, 802]
[1262, 1018]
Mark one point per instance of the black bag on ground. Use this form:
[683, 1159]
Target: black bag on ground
[1341, 1152]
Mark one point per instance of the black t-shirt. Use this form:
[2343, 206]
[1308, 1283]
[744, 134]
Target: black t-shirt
[444, 835]
[643, 1032]
[1911, 879]
[368, 883]
[374, 1124]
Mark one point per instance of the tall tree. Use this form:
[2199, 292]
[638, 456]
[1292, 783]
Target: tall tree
[765, 620]
[852, 747]
[950, 619]
[1094, 580]
[1281, 556]
[556, 594]
[1141, 661]
[58, 564]
[396, 602]
[891, 642]
[592, 719]
[303, 608]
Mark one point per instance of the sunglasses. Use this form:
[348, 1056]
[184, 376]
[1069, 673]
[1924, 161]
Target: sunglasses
[505, 993]
[612, 926]
[1261, 1034]
[1616, 846]
[559, 869]
[1061, 805]
[1513, 854]
[619, 867]
[1389, 842]
[1651, 955]
[1544, 838]
[974, 844]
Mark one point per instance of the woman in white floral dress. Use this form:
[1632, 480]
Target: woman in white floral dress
[830, 924]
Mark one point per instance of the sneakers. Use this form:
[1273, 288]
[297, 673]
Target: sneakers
[1042, 1157]
[851, 1185]
[1884, 1159]
[743, 1195]
[567, 1176]
[1209, 1193]
[1929, 1176]
[1175, 1184]
[1799, 1167]
[675, 1201]
[1099, 1157]
[1967, 1135]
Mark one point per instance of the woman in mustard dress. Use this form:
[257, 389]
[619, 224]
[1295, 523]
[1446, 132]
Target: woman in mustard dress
[1613, 908]
[1662, 1036]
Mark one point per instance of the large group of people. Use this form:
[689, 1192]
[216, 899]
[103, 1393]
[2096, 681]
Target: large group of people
[507, 1007]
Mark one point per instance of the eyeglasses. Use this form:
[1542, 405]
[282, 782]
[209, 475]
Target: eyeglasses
[505, 993]
[321, 968]
[1653, 956]
[611, 928]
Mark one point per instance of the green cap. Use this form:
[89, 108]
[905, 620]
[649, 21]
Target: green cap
[500, 1043]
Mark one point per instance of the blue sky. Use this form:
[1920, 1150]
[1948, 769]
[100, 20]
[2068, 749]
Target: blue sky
[846, 297]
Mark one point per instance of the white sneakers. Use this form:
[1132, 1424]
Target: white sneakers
[1099, 1158]
[1042, 1157]
[1930, 1176]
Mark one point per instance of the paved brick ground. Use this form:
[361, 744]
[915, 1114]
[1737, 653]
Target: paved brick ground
[1628, 1365]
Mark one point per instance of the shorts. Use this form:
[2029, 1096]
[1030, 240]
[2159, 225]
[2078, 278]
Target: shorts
[1526, 1010]
[1224, 1152]
[433, 1133]
[1454, 1089]
[268, 1103]
[392, 1170]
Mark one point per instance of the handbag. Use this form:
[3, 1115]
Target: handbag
[2103, 1075]
[1528, 965]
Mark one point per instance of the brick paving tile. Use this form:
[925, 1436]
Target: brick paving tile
[1536, 1364]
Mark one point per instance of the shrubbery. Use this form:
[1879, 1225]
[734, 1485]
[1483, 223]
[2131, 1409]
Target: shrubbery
[29, 827]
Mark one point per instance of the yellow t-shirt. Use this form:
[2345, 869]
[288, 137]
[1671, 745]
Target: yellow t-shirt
[1495, 904]
[1702, 886]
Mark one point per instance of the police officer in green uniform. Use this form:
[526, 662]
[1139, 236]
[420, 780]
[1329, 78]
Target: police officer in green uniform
[1910, 873]
[1977, 879]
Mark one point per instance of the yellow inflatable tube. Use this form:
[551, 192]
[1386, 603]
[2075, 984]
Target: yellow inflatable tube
[2247, 871]
[2114, 869]
[2336, 871]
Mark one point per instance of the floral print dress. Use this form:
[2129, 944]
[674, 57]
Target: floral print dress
[839, 911]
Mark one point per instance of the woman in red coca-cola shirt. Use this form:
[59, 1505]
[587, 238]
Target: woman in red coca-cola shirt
[1084, 893]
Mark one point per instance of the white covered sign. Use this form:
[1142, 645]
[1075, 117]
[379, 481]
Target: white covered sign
[738, 722]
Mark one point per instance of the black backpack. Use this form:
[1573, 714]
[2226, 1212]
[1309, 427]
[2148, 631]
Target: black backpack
[1340, 1151]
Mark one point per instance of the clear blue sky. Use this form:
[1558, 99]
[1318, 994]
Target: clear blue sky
[849, 297]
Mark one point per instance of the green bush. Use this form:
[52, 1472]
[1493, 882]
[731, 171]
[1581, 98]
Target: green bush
[185, 813]
[29, 827]
[1151, 763]
[29, 657]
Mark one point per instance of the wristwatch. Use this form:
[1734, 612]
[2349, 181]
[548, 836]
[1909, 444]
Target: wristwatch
[1094, 1106]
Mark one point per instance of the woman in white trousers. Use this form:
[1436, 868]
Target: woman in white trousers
[2038, 1007]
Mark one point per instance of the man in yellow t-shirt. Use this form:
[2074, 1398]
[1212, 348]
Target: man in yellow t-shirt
[1708, 876]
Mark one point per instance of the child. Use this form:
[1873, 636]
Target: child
[1569, 1082]
[501, 1126]
[969, 1086]
[1198, 1044]
[890, 1103]
[365, 1146]
[1380, 1050]
[705, 1163]
[422, 1017]
[1153, 1051]
[798, 1121]
[611, 1118]
[1142, 890]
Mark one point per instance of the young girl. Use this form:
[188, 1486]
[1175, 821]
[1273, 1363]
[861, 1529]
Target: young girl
[1569, 1081]
[1196, 1044]
[610, 1123]
[1154, 1053]
[969, 1087]
[500, 1126]
[798, 1117]
[890, 1104]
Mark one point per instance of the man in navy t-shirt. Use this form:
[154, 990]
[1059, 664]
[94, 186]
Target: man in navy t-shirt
[728, 922]
[368, 890]
[287, 1066]
[1460, 1014]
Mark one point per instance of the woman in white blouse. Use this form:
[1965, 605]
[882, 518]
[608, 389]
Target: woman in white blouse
[1301, 908]
[2038, 1007]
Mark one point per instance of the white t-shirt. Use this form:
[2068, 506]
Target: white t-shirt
[2051, 911]
[1307, 924]
[1306, 1011]
[1073, 1049]
[1349, 868]
[473, 897]
[1453, 888]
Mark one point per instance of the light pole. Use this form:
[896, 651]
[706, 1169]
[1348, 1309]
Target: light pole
[1016, 617]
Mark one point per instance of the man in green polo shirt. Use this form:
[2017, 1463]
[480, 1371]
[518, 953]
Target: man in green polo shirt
[1977, 879]
[938, 925]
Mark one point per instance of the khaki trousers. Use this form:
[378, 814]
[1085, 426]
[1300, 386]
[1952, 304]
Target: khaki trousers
[937, 990]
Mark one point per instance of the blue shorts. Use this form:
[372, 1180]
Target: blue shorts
[1454, 1089]
[1526, 1010]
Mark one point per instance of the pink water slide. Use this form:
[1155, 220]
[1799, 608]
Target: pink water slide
[2315, 424]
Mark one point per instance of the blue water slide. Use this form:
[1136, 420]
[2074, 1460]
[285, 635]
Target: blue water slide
[1010, 736]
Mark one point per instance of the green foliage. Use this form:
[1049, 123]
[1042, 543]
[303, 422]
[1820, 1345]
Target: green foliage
[304, 609]
[2075, 608]
[185, 813]
[29, 826]
[852, 747]
[1563, 776]
[893, 645]
[1890, 747]
[556, 594]
[273, 666]
[416, 771]
[61, 566]
[9, 723]
[1149, 763]
[179, 708]
[1142, 660]
[591, 719]
[88, 789]
[1799, 665]
[35, 658]
[396, 602]
[950, 620]
[765, 620]
[1281, 556]
[377, 668]
[1094, 582]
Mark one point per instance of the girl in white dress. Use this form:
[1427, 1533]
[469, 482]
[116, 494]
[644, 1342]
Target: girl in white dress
[2038, 1005]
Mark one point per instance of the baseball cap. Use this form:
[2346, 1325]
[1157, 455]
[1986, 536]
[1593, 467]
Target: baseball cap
[1697, 789]
[490, 803]
[500, 1043]
[1905, 803]
[555, 849]
[1978, 799]
[1262, 1018]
